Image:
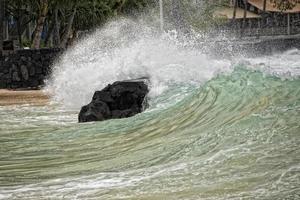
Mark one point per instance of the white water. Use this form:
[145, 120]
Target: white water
[128, 50]
[236, 138]
[125, 49]
[285, 65]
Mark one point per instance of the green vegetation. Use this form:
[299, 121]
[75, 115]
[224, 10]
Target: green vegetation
[284, 5]
[53, 22]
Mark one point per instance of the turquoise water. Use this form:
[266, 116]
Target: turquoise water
[235, 137]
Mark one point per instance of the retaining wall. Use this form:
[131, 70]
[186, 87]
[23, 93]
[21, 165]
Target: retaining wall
[253, 48]
[26, 68]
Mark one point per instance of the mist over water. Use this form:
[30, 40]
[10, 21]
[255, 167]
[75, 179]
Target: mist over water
[127, 49]
[217, 128]
[123, 50]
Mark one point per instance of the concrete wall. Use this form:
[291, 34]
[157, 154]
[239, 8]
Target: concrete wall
[252, 48]
[26, 68]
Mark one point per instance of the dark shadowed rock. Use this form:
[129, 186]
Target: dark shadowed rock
[120, 100]
[24, 72]
[16, 77]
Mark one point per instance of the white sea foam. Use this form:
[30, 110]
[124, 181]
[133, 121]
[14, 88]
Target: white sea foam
[285, 65]
[125, 49]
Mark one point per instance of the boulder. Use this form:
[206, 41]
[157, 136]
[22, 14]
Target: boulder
[122, 99]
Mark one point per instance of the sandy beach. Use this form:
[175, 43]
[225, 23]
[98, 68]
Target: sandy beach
[15, 97]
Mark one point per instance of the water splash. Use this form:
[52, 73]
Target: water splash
[236, 137]
[125, 49]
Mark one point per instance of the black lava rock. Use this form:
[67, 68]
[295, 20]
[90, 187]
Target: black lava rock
[122, 99]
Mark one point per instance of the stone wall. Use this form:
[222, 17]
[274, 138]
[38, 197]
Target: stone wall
[26, 68]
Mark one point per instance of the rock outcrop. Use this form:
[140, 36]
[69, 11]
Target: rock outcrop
[122, 99]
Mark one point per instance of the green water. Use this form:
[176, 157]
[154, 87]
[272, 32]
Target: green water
[235, 137]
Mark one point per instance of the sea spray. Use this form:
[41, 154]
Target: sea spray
[126, 49]
[215, 129]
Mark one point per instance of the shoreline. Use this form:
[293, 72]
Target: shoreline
[21, 97]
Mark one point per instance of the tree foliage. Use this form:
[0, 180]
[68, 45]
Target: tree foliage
[284, 5]
[59, 19]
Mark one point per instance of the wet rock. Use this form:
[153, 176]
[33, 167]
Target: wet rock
[31, 69]
[16, 77]
[23, 58]
[24, 72]
[120, 100]
[14, 68]
[27, 68]
[38, 68]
